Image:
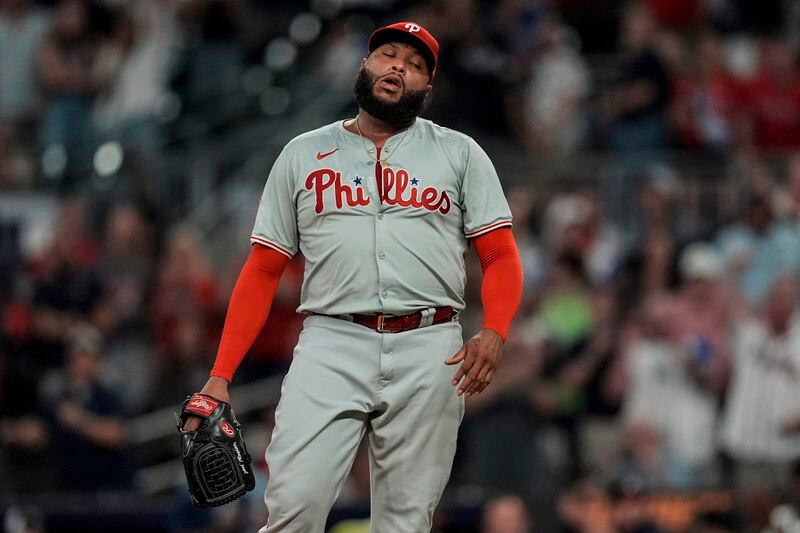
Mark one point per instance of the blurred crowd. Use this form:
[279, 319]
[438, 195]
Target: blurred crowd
[651, 381]
[551, 77]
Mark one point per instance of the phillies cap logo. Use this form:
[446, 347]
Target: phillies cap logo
[412, 27]
[226, 428]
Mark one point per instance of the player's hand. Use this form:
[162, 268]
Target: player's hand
[216, 387]
[479, 358]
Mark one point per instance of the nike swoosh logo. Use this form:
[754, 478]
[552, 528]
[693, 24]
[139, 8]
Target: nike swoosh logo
[320, 155]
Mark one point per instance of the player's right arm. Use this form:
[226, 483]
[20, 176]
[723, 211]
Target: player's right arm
[275, 242]
[249, 307]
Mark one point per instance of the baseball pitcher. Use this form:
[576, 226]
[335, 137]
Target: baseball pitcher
[383, 207]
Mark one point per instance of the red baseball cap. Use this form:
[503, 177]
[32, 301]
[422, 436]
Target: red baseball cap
[411, 33]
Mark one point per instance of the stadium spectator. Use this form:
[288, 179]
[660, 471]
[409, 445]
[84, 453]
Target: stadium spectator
[23, 27]
[17, 168]
[146, 39]
[771, 99]
[187, 363]
[86, 417]
[506, 514]
[635, 110]
[185, 287]
[474, 72]
[677, 14]
[704, 98]
[72, 71]
[705, 309]
[647, 462]
[185, 314]
[126, 268]
[62, 286]
[654, 236]
[126, 273]
[554, 98]
[561, 331]
[756, 248]
[521, 200]
[64, 275]
[342, 54]
[660, 370]
[582, 228]
[216, 61]
[629, 512]
[788, 202]
[760, 428]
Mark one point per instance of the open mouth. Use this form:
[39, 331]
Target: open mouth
[391, 83]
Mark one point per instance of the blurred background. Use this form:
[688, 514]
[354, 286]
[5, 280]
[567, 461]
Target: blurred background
[650, 151]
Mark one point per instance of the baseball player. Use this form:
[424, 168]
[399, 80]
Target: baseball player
[383, 207]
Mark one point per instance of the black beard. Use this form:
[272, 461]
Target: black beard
[400, 114]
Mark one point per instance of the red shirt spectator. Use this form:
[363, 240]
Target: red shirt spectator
[772, 99]
[185, 286]
[677, 14]
[704, 99]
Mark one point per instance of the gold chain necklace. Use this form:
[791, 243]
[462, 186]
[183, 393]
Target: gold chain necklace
[383, 161]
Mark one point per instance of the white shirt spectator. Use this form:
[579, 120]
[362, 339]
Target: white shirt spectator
[20, 38]
[141, 85]
[764, 396]
[559, 84]
[662, 392]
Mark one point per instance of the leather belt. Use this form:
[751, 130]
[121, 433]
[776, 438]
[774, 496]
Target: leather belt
[399, 323]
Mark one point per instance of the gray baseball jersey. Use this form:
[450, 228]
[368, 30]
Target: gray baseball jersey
[392, 247]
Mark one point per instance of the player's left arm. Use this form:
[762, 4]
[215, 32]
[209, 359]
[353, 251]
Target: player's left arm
[501, 292]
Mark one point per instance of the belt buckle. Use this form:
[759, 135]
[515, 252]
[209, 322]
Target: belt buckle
[381, 322]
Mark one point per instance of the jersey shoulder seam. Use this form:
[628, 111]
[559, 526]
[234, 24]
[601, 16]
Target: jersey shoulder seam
[323, 131]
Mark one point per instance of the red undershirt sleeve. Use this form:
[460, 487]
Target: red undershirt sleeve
[249, 307]
[501, 289]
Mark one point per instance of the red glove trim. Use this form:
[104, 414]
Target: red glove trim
[202, 405]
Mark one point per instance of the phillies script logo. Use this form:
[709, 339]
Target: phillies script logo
[395, 187]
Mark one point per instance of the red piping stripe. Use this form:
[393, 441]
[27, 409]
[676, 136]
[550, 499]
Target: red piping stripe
[487, 228]
[265, 242]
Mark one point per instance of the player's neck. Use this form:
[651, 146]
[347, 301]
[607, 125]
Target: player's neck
[373, 128]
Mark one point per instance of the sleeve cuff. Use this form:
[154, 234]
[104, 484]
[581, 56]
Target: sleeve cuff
[487, 229]
[503, 334]
[255, 239]
[217, 373]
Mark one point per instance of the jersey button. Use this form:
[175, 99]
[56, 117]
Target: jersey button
[381, 255]
[385, 294]
[380, 216]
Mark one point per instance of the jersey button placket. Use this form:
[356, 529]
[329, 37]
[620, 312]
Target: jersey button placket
[380, 255]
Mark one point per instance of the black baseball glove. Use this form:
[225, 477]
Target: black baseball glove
[214, 456]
